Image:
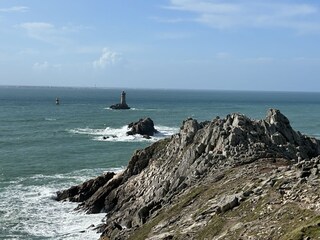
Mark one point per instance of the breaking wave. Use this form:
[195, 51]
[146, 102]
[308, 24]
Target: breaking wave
[119, 134]
[28, 209]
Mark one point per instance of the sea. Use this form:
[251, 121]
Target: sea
[46, 147]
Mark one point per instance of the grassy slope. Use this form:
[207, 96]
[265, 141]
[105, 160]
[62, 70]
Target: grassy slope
[261, 216]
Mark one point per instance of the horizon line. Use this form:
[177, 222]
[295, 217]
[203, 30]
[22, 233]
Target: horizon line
[160, 88]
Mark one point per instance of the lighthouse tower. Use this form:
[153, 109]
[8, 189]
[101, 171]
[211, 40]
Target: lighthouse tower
[122, 104]
[123, 98]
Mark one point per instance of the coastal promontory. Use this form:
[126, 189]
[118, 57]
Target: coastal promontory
[229, 178]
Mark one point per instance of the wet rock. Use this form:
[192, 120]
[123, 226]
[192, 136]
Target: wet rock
[144, 127]
[85, 190]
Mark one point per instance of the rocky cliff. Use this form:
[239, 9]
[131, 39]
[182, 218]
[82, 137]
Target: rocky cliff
[231, 178]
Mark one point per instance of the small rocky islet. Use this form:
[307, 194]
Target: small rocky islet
[144, 127]
[123, 103]
[230, 178]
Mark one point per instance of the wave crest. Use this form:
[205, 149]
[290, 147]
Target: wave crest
[120, 134]
[28, 209]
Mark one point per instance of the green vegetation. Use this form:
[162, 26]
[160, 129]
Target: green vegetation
[214, 227]
[309, 229]
[260, 216]
[185, 200]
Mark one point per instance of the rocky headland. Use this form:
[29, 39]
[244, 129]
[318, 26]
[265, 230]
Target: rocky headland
[230, 178]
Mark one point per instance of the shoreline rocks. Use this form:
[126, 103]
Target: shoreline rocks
[85, 190]
[196, 183]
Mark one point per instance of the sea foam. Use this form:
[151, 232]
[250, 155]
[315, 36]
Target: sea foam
[29, 211]
[119, 134]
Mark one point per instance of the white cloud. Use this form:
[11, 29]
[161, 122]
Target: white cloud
[39, 67]
[203, 6]
[36, 26]
[42, 31]
[107, 58]
[251, 14]
[49, 33]
[14, 9]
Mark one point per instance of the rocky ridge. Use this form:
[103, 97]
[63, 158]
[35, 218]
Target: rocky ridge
[231, 178]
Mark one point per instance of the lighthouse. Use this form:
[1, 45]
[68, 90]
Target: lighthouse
[122, 104]
[123, 98]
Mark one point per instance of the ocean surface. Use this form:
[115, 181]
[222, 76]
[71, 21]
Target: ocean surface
[46, 147]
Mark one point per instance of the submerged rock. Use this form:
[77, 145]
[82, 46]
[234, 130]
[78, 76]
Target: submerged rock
[185, 187]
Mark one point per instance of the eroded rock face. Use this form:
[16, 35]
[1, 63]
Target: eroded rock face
[85, 190]
[199, 155]
[144, 127]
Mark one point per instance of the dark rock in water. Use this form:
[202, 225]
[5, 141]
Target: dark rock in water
[146, 136]
[144, 127]
[200, 182]
[119, 106]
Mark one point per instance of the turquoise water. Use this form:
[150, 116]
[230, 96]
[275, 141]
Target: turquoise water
[45, 147]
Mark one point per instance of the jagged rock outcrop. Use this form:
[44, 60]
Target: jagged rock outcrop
[144, 127]
[85, 190]
[215, 180]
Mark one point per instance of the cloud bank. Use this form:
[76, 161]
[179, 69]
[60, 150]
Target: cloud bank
[39, 67]
[14, 9]
[302, 17]
[49, 33]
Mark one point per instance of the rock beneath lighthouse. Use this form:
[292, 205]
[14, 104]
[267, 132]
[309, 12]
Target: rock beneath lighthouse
[119, 106]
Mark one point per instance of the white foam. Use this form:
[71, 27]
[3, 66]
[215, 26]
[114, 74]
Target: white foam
[27, 209]
[136, 109]
[50, 119]
[119, 134]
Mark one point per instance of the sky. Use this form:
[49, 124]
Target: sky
[180, 44]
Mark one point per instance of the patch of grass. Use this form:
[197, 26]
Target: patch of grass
[143, 232]
[214, 227]
[309, 229]
[265, 216]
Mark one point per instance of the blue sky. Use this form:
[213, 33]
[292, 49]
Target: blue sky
[188, 44]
